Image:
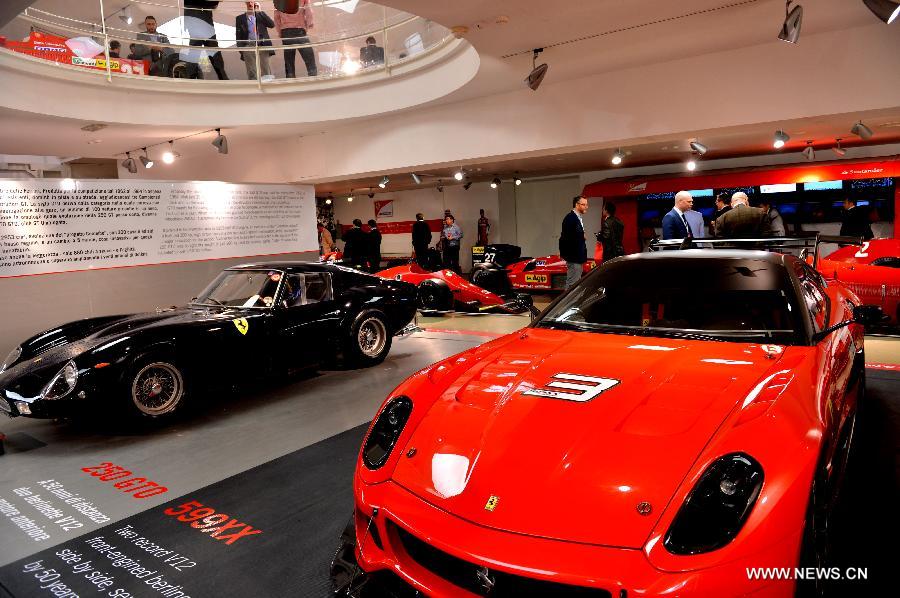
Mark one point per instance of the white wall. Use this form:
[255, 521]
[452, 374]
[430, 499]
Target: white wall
[463, 204]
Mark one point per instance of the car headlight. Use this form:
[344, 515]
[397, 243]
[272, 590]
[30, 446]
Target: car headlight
[13, 357]
[716, 509]
[386, 431]
[63, 382]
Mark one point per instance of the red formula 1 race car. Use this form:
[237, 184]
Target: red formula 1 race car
[871, 270]
[445, 290]
[674, 419]
[331, 257]
[546, 273]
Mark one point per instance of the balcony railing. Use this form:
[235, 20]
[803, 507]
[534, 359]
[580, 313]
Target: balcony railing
[342, 39]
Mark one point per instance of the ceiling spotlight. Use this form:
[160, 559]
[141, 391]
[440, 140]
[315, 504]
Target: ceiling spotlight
[328, 202]
[129, 163]
[617, 157]
[440, 187]
[780, 139]
[691, 164]
[371, 195]
[838, 150]
[350, 197]
[416, 179]
[169, 155]
[886, 10]
[467, 185]
[517, 181]
[220, 142]
[126, 16]
[538, 71]
[384, 182]
[458, 175]
[699, 147]
[145, 159]
[808, 152]
[861, 130]
[793, 18]
[495, 183]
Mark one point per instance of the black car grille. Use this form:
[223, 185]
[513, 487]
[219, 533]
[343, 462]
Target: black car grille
[478, 580]
[558, 281]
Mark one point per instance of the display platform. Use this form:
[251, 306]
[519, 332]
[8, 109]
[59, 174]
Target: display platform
[259, 489]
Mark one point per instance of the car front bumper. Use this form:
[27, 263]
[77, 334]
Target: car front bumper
[440, 555]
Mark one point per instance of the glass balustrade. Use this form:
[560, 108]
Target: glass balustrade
[197, 39]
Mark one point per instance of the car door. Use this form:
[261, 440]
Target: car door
[307, 315]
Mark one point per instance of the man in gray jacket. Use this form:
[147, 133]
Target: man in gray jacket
[155, 54]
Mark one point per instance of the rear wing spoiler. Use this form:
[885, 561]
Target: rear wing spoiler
[803, 244]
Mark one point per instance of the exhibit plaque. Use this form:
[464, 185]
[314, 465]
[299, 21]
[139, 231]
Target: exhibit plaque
[61, 225]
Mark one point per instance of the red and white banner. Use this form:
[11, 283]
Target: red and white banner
[59, 49]
[384, 208]
[399, 228]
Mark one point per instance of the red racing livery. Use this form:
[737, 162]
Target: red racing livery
[545, 273]
[871, 270]
[674, 419]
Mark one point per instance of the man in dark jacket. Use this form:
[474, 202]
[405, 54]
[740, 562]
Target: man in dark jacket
[742, 221]
[355, 245]
[723, 204]
[421, 238]
[611, 232]
[202, 35]
[252, 29]
[373, 245]
[855, 220]
[572, 247]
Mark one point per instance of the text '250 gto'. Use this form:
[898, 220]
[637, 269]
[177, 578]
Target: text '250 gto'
[671, 421]
[252, 319]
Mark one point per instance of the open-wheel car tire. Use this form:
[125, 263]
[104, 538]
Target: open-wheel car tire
[156, 388]
[435, 295]
[369, 339]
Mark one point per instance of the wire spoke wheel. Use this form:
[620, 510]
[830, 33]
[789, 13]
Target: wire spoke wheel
[157, 388]
[371, 337]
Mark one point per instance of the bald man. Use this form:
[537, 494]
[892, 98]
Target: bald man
[675, 223]
[742, 221]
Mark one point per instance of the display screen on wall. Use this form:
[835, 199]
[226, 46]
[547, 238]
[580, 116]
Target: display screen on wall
[780, 188]
[52, 225]
[729, 191]
[701, 192]
[823, 185]
[871, 183]
[667, 195]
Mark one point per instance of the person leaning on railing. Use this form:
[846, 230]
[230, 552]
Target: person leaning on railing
[155, 54]
[252, 29]
[293, 29]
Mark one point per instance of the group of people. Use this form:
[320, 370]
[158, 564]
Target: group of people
[448, 244]
[362, 247]
[573, 239]
[251, 31]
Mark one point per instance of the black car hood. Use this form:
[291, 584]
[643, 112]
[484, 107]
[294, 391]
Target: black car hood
[47, 353]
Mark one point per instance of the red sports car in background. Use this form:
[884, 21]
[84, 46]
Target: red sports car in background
[871, 270]
[676, 418]
[444, 290]
[544, 273]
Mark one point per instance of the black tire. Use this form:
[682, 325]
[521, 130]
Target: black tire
[156, 388]
[436, 295]
[369, 339]
[494, 281]
[815, 549]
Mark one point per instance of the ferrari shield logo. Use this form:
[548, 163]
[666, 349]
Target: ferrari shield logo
[242, 325]
[573, 387]
[492, 503]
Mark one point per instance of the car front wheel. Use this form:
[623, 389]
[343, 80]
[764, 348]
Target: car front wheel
[157, 388]
[369, 339]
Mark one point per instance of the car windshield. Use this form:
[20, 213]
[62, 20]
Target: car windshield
[242, 288]
[723, 299]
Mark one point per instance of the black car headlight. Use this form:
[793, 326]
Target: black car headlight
[63, 382]
[716, 509]
[386, 431]
[13, 357]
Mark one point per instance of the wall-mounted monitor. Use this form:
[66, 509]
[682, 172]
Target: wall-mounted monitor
[780, 188]
[666, 195]
[729, 191]
[701, 192]
[871, 183]
[823, 185]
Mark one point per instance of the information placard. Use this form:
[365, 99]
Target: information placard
[52, 225]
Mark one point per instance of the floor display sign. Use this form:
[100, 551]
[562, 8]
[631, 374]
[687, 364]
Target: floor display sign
[51, 225]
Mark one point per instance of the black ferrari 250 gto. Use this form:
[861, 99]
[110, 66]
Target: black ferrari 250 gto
[251, 319]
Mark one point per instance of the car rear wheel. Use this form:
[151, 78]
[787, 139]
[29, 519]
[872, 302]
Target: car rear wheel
[157, 388]
[436, 295]
[369, 340]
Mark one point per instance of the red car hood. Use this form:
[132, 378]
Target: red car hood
[576, 470]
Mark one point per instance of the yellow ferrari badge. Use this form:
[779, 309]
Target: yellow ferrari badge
[492, 503]
[242, 325]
